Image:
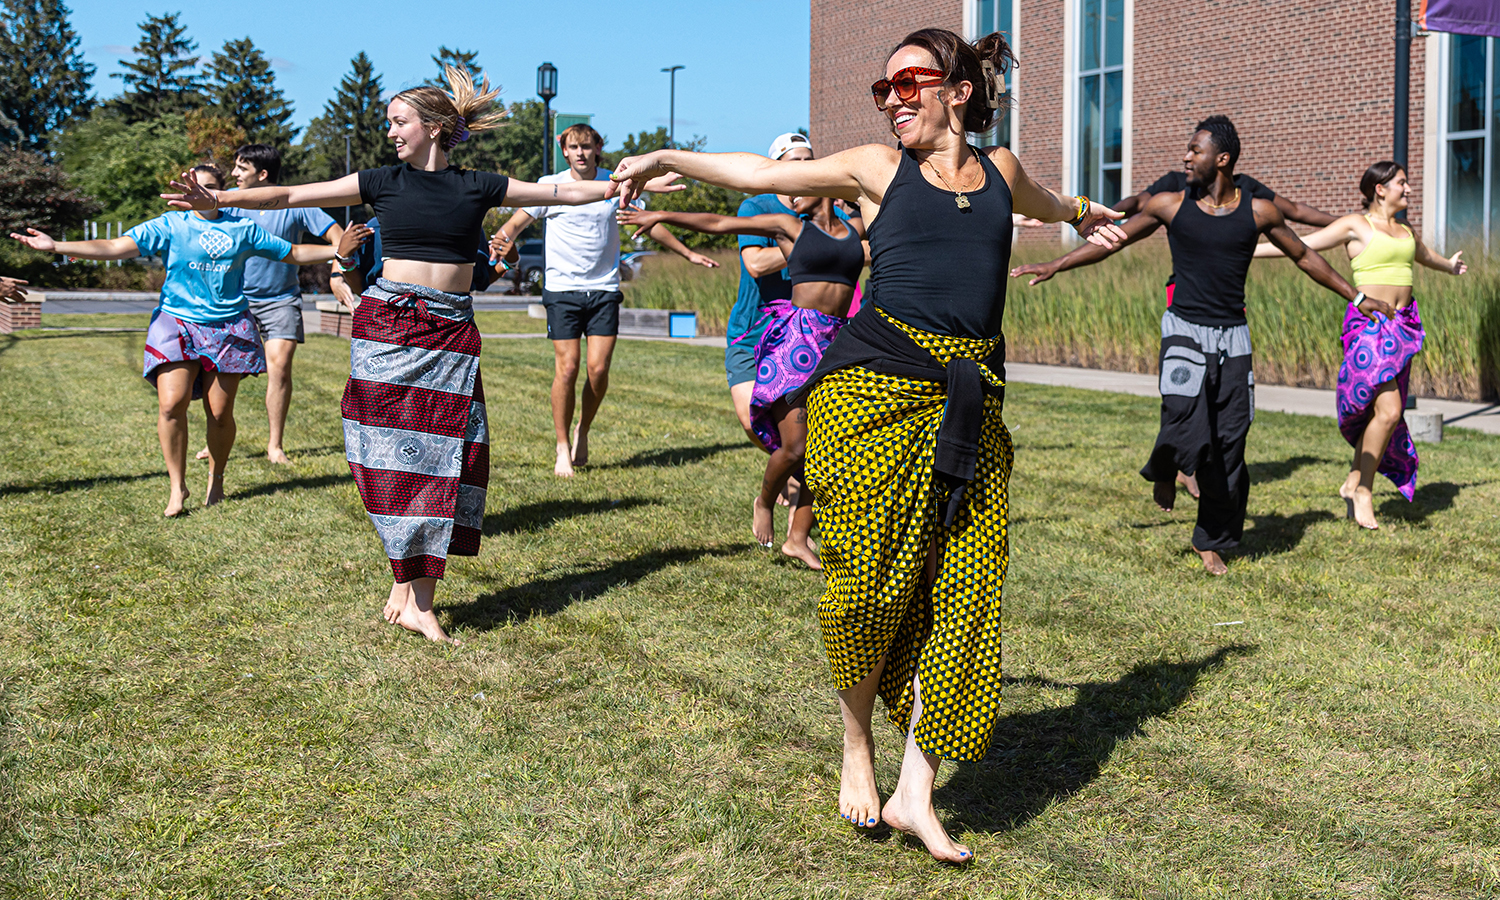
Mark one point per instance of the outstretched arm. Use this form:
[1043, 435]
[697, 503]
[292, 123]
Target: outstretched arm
[1336, 234]
[1031, 199]
[772, 225]
[1317, 268]
[309, 254]
[662, 236]
[114, 248]
[189, 194]
[1301, 212]
[1453, 265]
[842, 175]
[1158, 210]
[577, 193]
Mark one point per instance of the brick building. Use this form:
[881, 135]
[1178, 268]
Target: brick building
[1107, 92]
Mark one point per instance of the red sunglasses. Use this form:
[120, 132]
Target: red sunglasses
[906, 84]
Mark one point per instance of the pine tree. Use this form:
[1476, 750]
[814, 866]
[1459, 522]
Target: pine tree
[467, 60]
[44, 81]
[356, 110]
[161, 79]
[243, 87]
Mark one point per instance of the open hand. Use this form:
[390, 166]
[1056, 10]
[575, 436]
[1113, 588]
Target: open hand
[1098, 226]
[502, 247]
[353, 238]
[632, 175]
[644, 220]
[1457, 265]
[11, 290]
[190, 194]
[1042, 271]
[36, 240]
[698, 259]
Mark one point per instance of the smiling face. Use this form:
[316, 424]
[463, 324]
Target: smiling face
[1202, 159]
[246, 175]
[1394, 194]
[936, 110]
[407, 132]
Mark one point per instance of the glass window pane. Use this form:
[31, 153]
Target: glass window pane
[986, 17]
[1494, 146]
[1114, 101]
[1088, 143]
[1005, 20]
[1465, 192]
[1114, 32]
[1088, 56]
[1466, 83]
[1110, 195]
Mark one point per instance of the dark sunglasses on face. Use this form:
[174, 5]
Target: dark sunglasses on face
[906, 84]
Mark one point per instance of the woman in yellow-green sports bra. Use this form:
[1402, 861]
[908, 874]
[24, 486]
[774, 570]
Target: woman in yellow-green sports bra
[1374, 377]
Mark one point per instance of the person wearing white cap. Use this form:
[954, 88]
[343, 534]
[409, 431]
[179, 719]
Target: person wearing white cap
[762, 280]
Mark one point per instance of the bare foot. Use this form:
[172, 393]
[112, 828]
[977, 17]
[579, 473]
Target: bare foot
[1363, 503]
[920, 820]
[1190, 482]
[277, 456]
[762, 524]
[580, 447]
[201, 454]
[215, 491]
[785, 497]
[859, 799]
[1213, 563]
[177, 501]
[423, 623]
[564, 466]
[1165, 494]
[805, 552]
[396, 602]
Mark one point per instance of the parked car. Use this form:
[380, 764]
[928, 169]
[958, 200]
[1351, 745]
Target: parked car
[630, 263]
[532, 264]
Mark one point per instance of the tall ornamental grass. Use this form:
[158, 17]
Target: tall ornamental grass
[1108, 316]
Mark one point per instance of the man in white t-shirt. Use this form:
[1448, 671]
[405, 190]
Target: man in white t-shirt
[582, 288]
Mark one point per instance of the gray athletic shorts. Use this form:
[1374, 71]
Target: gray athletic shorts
[279, 320]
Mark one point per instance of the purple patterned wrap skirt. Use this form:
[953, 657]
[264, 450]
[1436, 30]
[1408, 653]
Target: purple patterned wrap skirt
[787, 354]
[232, 346]
[1377, 351]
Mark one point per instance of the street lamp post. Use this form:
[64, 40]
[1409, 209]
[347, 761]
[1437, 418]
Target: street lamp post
[546, 88]
[347, 136]
[672, 108]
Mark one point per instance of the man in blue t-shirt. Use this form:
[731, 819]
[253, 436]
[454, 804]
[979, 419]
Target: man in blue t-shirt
[762, 279]
[272, 287]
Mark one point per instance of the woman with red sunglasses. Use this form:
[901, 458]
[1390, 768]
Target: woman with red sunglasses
[907, 457]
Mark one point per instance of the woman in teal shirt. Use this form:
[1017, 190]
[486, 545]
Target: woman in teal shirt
[202, 339]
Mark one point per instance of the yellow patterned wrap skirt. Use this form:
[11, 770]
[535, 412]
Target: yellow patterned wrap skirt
[870, 445]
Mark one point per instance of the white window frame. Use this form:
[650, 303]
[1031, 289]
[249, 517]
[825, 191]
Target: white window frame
[1072, 168]
[1012, 33]
[1439, 204]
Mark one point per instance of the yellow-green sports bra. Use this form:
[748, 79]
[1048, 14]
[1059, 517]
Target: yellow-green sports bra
[1385, 260]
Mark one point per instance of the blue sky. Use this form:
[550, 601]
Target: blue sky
[746, 79]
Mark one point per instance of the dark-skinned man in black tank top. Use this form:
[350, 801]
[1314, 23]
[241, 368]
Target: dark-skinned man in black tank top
[1207, 379]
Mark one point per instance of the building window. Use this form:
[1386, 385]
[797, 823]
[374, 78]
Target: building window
[1101, 99]
[1472, 164]
[990, 16]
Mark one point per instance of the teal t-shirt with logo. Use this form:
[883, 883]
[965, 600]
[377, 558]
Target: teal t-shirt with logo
[205, 261]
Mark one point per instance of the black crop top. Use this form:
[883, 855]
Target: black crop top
[935, 266]
[820, 257]
[431, 216]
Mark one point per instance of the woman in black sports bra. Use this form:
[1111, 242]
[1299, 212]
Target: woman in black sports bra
[415, 430]
[907, 457]
[824, 259]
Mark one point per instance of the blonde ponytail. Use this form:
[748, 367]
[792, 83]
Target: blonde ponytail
[459, 111]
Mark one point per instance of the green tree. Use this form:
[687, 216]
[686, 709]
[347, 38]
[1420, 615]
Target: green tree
[468, 60]
[44, 81]
[698, 197]
[36, 194]
[356, 110]
[242, 86]
[125, 165]
[162, 79]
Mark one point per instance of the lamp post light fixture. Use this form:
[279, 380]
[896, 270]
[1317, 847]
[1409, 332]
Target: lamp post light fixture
[348, 135]
[672, 108]
[546, 88]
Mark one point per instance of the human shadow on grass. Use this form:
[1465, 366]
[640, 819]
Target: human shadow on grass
[1273, 534]
[547, 596]
[1041, 758]
[1279, 470]
[536, 516]
[1428, 499]
[310, 482]
[672, 456]
[74, 484]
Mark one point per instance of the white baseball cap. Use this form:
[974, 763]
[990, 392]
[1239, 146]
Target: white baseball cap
[789, 141]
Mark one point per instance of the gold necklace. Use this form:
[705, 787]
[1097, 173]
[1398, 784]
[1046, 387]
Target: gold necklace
[959, 198]
[1235, 199]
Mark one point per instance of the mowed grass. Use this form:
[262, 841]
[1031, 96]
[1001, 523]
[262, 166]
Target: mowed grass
[211, 707]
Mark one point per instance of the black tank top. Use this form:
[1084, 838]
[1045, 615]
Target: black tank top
[818, 256]
[1210, 259]
[935, 266]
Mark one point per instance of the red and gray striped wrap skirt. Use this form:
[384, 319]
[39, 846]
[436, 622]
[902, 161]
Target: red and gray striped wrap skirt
[415, 431]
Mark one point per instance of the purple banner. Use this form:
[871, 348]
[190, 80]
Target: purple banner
[1480, 17]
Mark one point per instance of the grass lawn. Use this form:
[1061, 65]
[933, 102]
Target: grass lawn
[212, 706]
